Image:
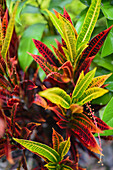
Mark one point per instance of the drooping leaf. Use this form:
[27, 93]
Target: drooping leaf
[9, 32]
[48, 68]
[56, 139]
[99, 81]
[46, 52]
[57, 96]
[86, 137]
[89, 22]
[95, 44]
[39, 148]
[83, 84]
[90, 94]
[64, 148]
[70, 38]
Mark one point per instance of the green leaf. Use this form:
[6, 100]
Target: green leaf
[106, 62]
[65, 167]
[83, 84]
[40, 149]
[107, 10]
[108, 44]
[64, 148]
[108, 117]
[51, 166]
[57, 23]
[30, 9]
[27, 45]
[89, 23]
[69, 34]
[90, 94]
[9, 32]
[57, 96]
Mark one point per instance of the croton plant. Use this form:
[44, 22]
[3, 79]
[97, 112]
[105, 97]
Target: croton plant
[62, 100]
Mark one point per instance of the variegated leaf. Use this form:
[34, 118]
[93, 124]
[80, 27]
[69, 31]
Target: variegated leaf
[57, 23]
[48, 68]
[57, 96]
[9, 32]
[90, 94]
[89, 22]
[51, 166]
[46, 53]
[56, 139]
[99, 81]
[70, 38]
[64, 148]
[39, 148]
[83, 84]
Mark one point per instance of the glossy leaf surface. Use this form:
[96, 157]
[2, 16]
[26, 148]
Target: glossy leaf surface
[39, 148]
[89, 23]
[57, 96]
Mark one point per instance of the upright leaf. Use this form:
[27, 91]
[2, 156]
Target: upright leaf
[64, 148]
[56, 139]
[57, 96]
[9, 32]
[39, 148]
[46, 52]
[57, 23]
[70, 38]
[89, 22]
[95, 44]
[83, 84]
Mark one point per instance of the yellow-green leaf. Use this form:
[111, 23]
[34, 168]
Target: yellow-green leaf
[39, 148]
[64, 148]
[99, 81]
[83, 84]
[90, 94]
[56, 22]
[51, 166]
[9, 32]
[89, 22]
[58, 96]
[70, 37]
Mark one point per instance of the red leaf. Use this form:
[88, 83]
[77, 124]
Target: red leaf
[4, 82]
[59, 45]
[2, 64]
[86, 137]
[67, 69]
[62, 124]
[33, 125]
[66, 15]
[8, 151]
[46, 52]
[102, 125]
[56, 139]
[12, 101]
[42, 63]
[58, 112]
[40, 101]
[5, 22]
[83, 66]
[13, 115]
[59, 55]
[95, 44]
[2, 127]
